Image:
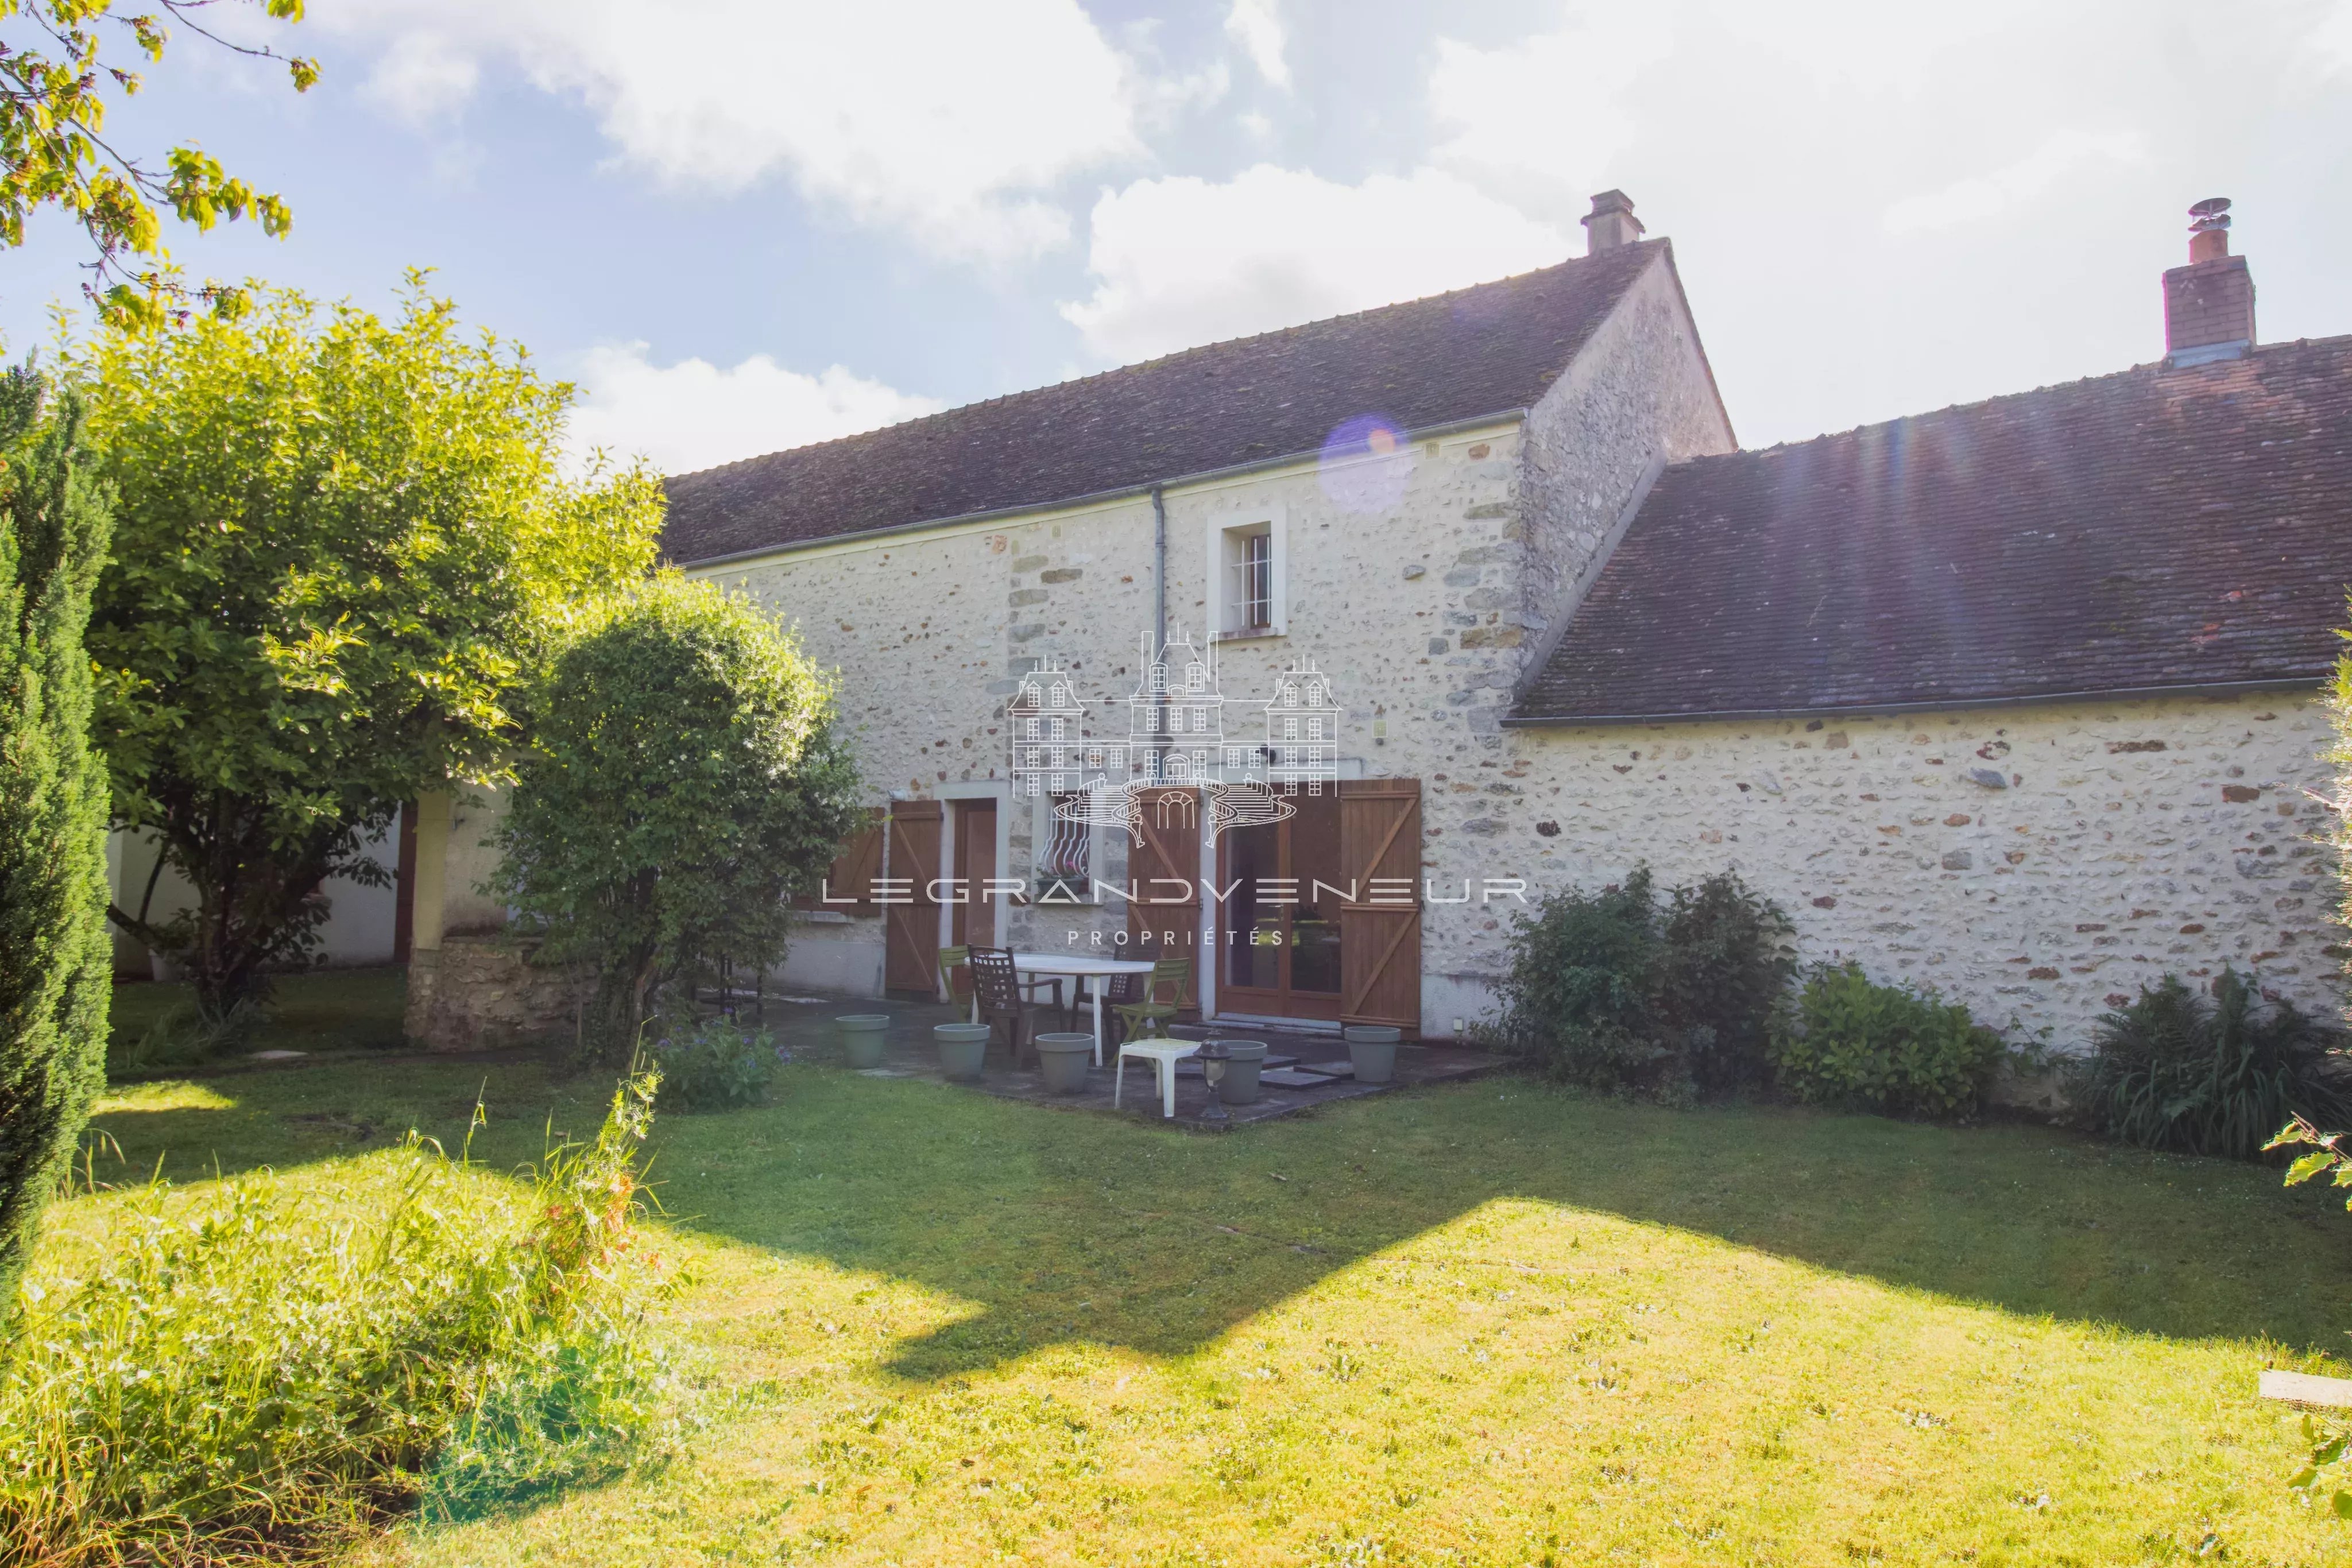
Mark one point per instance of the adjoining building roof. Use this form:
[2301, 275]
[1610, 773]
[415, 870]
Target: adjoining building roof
[2159, 529]
[1454, 357]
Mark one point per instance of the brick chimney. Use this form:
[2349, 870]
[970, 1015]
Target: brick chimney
[2209, 305]
[1611, 223]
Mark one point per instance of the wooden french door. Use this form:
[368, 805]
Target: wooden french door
[910, 955]
[1164, 920]
[971, 921]
[1279, 943]
[1379, 922]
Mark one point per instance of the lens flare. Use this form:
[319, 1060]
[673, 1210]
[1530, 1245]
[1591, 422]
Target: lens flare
[1365, 463]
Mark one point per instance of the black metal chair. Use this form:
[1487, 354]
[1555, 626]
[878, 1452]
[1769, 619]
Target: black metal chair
[1001, 990]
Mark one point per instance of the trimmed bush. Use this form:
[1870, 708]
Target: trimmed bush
[1849, 1043]
[1610, 991]
[268, 1364]
[685, 777]
[713, 1064]
[2213, 1076]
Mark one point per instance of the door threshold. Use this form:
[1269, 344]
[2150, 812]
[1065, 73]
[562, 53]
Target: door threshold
[1260, 1020]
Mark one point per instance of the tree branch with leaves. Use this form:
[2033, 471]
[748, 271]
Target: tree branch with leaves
[57, 80]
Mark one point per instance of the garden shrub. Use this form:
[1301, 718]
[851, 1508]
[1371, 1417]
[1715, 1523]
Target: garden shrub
[1853, 1044]
[713, 1063]
[1610, 991]
[2213, 1075]
[268, 1364]
[1724, 965]
[685, 776]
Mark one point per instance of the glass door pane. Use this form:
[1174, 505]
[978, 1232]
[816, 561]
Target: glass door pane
[1314, 923]
[1254, 931]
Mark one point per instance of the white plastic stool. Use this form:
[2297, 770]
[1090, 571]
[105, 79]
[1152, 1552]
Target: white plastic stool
[1163, 1054]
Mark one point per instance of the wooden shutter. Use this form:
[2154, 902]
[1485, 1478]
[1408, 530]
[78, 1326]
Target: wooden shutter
[852, 874]
[1169, 856]
[1380, 930]
[911, 951]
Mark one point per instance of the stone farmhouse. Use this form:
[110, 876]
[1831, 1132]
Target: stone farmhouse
[2022, 699]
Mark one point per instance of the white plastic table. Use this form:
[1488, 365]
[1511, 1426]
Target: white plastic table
[1088, 971]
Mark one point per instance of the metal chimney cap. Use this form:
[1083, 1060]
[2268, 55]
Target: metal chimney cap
[2212, 213]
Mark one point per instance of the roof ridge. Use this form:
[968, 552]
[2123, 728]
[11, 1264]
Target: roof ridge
[1646, 245]
[2151, 367]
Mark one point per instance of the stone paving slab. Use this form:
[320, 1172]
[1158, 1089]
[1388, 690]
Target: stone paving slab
[805, 1028]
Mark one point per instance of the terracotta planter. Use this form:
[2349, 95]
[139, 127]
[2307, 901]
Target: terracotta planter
[961, 1048]
[1063, 1059]
[1372, 1047]
[1245, 1059]
[861, 1038]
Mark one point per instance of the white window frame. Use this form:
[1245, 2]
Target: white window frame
[1228, 536]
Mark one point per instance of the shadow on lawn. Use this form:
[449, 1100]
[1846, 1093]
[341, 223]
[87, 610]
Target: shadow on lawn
[1063, 1227]
[1075, 1228]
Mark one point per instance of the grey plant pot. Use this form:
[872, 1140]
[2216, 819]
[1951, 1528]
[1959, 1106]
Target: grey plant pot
[1372, 1048]
[961, 1048]
[1240, 1086]
[1063, 1059]
[861, 1037]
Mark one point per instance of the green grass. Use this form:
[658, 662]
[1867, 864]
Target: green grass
[324, 1012]
[1494, 1324]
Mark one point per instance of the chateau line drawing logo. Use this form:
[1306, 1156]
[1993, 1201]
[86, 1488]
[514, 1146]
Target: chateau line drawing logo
[1234, 761]
[1182, 731]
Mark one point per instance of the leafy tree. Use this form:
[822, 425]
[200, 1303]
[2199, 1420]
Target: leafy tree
[54, 151]
[683, 779]
[341, 543]
[54, 957]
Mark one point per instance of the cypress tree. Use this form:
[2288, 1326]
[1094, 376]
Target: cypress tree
[55, 957]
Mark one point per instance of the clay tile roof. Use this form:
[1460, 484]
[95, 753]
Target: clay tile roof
[2154, 530]
[1452, 357]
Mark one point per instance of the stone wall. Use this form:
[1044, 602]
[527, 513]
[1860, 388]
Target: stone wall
[1639, 396]
[479, 993]
[2039, 863]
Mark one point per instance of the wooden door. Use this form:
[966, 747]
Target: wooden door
[849, 885]
[1164, 919]
[404, 886]
[1380, 928]
[911, 954]
[973, 921]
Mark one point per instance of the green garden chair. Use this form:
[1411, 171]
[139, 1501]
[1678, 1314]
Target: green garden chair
[1150, 1016]
[950, 960]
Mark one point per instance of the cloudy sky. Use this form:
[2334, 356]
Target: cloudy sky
[743, 224]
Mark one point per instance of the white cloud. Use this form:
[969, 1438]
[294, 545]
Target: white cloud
[1539, 121]
[1989, 195]
[949, 120]
[693, 414]
[1183, 261]
[2331, 41]
[1256, 27]
[422, 78]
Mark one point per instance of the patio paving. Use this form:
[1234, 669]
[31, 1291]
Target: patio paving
[805, 1026]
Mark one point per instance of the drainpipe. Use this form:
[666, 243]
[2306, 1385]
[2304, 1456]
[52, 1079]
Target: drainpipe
[1158, 622]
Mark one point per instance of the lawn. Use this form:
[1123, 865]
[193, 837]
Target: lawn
[1491, 1323]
